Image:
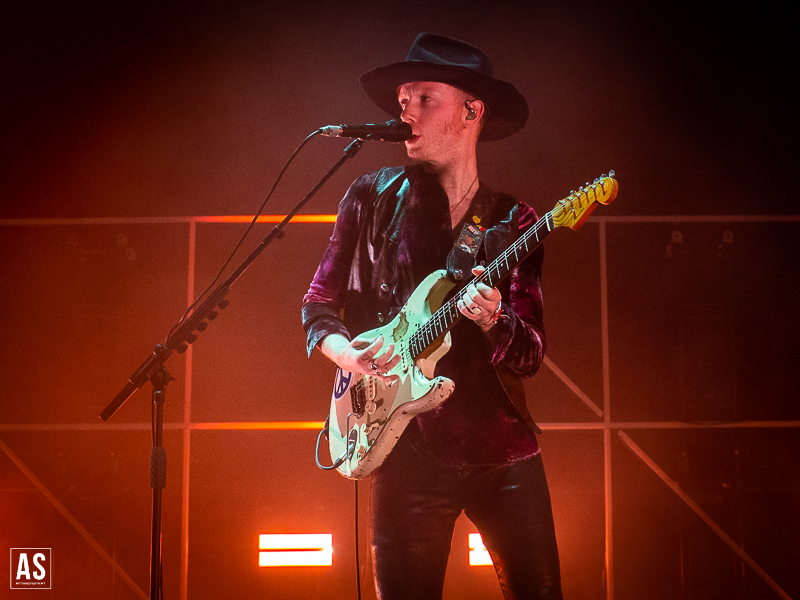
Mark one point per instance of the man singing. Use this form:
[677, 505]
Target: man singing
[477, 452]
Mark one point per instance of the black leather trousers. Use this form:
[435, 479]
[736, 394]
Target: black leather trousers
[415, 501]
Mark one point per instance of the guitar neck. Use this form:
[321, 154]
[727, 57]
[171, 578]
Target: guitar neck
[499, 268]
[570, 212]
[448, 314]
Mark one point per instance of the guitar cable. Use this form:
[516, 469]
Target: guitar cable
[358, 561]
[337, 463]
[347, 454]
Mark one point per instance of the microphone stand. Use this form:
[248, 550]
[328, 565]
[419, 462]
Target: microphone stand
[153, 370]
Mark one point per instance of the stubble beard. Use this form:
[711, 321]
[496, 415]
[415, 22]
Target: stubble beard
[448, 135]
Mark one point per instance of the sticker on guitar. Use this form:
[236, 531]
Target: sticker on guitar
[342, 383]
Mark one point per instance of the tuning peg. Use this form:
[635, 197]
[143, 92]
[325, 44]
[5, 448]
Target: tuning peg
[202, 326]
[182, 348]
[191, 338]
[224, 304]
[212, 315]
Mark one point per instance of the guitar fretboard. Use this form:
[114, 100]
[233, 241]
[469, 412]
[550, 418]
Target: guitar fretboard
[570, 212]
[448, 314]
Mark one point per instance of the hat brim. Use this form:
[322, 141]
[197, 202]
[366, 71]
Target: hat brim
[508, 109]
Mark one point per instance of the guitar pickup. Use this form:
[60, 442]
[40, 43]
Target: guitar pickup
[358, 397]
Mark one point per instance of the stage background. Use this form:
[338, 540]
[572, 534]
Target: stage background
[671, 315]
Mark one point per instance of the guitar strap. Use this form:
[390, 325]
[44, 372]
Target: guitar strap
[463, 257]
[460, 261]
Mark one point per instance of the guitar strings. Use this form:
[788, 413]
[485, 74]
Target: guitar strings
[438, 322]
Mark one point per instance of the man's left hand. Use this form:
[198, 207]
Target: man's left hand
[479, 302]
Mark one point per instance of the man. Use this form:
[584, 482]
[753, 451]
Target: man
[477, 452]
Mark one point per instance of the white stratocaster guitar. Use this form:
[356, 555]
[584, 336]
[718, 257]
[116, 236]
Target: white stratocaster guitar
[367, 416]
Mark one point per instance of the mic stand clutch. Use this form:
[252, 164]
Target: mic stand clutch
[153, 370]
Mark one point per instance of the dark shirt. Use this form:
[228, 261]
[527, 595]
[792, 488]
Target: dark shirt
[393, 229]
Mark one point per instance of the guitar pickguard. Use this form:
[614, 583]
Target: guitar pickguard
[368, 416]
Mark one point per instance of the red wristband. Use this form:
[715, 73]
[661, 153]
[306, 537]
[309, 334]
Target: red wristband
[496, 316]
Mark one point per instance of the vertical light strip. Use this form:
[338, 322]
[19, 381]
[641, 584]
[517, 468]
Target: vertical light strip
[187, 418]
[478, 554]
[609, 540]
[295, 550]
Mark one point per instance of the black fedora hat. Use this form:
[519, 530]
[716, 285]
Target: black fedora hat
[446, 60]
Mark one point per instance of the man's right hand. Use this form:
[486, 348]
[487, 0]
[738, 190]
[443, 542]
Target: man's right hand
[367, 356]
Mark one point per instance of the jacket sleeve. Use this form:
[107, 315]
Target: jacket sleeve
[518, 338]
[324, 301]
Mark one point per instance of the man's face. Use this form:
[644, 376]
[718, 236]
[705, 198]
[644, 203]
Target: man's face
[435, 112]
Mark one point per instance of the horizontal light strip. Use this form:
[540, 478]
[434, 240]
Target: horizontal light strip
[166, 220]
[97, 221]
[316, 425]
[697, 219]
[672, 425]
[331, 218]
[240, 425]
[267, 219]
[35, 222]
[478, 554]
[295, 550]
[259, 425]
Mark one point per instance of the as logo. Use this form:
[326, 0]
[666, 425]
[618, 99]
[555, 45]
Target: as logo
[31, 568]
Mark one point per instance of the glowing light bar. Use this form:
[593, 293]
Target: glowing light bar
[256, 425]
[295, 550]
[478, 554]
[267, 219]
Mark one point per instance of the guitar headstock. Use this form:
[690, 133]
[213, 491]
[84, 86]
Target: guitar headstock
[573, 210]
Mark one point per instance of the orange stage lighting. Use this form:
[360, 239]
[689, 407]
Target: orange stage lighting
[295, 550]
[478, 554]
[267, 219]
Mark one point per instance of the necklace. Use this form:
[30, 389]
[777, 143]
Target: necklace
[464, 197]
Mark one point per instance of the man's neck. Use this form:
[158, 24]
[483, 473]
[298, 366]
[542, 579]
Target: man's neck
[459, 180]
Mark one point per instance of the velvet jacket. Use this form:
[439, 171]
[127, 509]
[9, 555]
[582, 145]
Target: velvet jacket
[392, 230]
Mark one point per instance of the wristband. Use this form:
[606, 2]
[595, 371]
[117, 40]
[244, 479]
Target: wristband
[496, 316]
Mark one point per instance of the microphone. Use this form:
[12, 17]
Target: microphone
[391, 131]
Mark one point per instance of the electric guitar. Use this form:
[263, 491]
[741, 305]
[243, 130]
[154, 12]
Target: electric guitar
[368, 416]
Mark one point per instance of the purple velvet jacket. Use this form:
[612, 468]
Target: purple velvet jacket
[392, 230]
